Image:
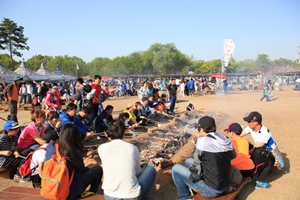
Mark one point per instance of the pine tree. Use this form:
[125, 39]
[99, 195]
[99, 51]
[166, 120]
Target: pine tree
[12, 39]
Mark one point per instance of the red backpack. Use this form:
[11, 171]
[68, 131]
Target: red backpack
[56, 181]
[25, 170]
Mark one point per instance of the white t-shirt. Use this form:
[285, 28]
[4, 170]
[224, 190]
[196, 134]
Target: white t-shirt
[263, 135]
[121, 165]
[38, 156]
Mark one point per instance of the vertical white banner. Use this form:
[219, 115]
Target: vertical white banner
[227, 53]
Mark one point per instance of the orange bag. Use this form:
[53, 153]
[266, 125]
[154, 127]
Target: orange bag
[56, 181]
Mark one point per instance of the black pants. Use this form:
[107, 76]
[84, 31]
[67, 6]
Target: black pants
[93, 178]
[11, 161]
[262, 167]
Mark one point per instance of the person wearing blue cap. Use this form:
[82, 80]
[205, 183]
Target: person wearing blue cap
[9, 157]
[11, 93]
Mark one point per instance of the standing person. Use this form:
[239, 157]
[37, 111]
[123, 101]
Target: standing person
[78, 91]
[225, 86]
[133, 181]
[242, 161]
[29, 92]
[23, 93]
[263, 144]
[42, 92]
[182, 86]
[265, 95]
[97, 105]
[11, 93]
[209, 171]
[172, 91]
[71, 148]
[191, 87]
[9, 156]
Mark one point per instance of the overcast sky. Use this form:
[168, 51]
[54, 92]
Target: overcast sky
[96, 28]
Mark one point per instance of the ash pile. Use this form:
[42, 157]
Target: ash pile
[161, 144]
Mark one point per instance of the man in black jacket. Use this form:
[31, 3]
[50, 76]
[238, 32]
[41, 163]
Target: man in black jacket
[209, 170]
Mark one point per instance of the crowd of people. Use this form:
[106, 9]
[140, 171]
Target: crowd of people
[55, 130]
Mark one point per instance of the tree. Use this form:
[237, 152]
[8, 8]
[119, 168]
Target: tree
[262, 60]
[12, 38]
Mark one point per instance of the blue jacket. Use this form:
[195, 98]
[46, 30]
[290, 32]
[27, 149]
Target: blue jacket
[65, 118]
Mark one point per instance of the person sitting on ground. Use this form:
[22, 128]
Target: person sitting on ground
[132, 182]
[9, 156]
[147, 111]
[125, 118]
[265, 151]
[51, 123]
[39, 157]
[101, 122]
[53, 100]
[242, 161]
[68, 117]
[210, 169]
[82, 115]
[32, 136]
[138, 113]
[70, 146]
[129, 109]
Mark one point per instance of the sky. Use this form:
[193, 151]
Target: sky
[96, 28]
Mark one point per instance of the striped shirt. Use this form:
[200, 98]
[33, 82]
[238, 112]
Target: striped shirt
[6, 143]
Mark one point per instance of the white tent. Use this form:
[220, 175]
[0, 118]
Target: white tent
[6, 74]
[44, 71]
[67, 77]
[28, 74]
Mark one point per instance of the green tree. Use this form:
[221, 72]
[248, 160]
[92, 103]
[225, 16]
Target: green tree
[6, 61]
[262, 60]
[12, 39]
[164, 59]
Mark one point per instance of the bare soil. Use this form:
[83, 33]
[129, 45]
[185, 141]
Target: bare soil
[280, 116]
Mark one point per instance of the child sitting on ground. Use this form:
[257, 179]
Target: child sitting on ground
[39, 157]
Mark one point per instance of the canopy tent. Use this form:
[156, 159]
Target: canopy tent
[65, 76]
[28, 74]
[6, 74]
[44, 71]
[218, 75]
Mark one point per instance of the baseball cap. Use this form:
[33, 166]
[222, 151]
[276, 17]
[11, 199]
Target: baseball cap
[234, 127]
[11, 124]
[18, 78]
[50, 135]
[253, 116]
[206, 122]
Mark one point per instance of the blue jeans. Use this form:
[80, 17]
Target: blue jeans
[146, 180]
[181, 174]
[100, 107]
[172, 102]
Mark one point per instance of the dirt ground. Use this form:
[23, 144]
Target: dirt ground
[279, 115]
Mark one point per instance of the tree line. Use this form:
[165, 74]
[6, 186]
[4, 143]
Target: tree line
[158, 59]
